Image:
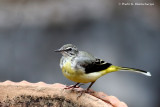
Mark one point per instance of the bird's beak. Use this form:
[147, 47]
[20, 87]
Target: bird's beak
[58, 50]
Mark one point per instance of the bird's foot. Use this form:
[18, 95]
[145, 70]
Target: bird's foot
[73, 86]
[69, 87]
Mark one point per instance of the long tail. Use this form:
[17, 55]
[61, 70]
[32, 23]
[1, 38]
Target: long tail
[134, 70]
[114, 68]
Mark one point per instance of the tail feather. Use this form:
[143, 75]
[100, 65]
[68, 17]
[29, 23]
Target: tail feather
[134, 70]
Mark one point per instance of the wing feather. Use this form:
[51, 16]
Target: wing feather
[96, 66]
[88, 63]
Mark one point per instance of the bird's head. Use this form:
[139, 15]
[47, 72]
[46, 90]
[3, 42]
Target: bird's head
[68, 50]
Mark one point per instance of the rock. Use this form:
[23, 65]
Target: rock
[22, 94]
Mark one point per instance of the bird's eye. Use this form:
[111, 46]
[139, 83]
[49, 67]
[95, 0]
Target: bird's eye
[69, 49]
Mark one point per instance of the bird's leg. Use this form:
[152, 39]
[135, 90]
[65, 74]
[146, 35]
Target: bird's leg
[80, 85]
[77, 86]
[87, 90]
[72, 86]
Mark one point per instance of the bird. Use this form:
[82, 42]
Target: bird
[82, 67]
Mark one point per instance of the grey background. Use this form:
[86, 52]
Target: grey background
[124, 35]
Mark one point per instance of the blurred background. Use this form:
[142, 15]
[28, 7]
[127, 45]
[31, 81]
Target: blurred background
[123, 35]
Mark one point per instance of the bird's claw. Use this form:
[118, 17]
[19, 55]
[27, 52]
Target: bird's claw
[73, 86]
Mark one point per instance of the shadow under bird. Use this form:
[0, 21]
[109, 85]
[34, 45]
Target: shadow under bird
[82, 67]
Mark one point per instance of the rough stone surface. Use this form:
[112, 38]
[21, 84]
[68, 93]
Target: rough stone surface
[25, 94]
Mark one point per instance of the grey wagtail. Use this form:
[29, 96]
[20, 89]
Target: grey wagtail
[82, 67]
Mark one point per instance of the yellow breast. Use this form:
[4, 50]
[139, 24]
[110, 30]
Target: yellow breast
[78, 75]
[70, 73]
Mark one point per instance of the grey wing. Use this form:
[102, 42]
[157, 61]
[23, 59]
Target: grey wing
[90, 64]
[82, 60]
